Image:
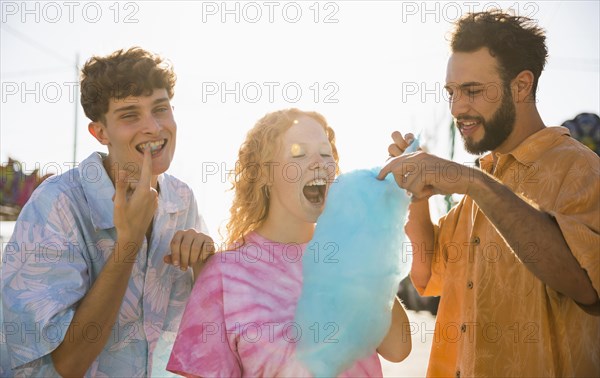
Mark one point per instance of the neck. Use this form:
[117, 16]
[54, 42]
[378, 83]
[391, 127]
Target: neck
[287, 231]
[527, 123]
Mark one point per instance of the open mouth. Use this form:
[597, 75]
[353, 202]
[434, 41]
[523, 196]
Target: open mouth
[155, 146]
[467, 127]
[315, 190]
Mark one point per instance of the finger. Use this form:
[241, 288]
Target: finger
[414, 184]
[407, 178]
[398, 165]
[394, 150]
[176, 248]
[402, 181]
[399, 140]
[146, 174]
[131, 186]
[409, 138]
[185, 251]
[208, 249]
[196, 251]
[411, 182]
[120, 188]
[385, 170]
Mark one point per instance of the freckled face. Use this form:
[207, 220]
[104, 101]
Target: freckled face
[303, 169]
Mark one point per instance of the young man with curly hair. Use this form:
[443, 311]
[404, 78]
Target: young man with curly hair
[96, 273]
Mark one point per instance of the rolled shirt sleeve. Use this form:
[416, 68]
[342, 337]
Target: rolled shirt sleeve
[577, 213]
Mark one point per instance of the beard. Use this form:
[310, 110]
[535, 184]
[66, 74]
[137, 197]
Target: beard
[496, 129]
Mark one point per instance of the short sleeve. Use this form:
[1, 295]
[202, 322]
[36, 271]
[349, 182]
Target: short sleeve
[44, 275]
[205, 346]
[577, 212]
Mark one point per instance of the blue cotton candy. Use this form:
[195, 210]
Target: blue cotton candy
[351, 271]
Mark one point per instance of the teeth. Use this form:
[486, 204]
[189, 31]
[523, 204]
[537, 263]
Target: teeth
[153, 145]
[318, 181]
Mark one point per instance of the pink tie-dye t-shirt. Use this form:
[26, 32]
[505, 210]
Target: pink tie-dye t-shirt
[239, 320]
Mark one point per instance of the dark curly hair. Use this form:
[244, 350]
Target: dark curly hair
[517, 42]
[124, 73]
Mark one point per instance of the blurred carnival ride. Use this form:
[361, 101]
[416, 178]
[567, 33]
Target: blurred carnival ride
[586, 129]
[16, 186]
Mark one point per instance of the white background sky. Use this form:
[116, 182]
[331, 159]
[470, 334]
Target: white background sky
[382, 64]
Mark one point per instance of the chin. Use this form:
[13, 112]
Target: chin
[313, 219]
[160, 169]
[313, 215]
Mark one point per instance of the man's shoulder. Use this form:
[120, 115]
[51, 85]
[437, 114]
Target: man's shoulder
[58, 186]
[566, 154]
[573, 149]
[57, 193]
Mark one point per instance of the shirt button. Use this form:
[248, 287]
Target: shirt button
[457, 375]
[469, 284]
[463, 328]
[476, 240]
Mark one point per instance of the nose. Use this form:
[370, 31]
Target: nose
[151, 125]
[459, 104]
[318, 162]
[323, 166]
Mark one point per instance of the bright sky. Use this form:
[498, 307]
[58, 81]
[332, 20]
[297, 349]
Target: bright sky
[370, 67]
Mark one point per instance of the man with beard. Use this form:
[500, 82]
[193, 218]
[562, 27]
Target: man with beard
[516, 262]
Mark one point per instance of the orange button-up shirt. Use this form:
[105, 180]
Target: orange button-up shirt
[496, 318]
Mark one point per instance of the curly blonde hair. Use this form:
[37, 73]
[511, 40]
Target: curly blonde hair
[249, 181]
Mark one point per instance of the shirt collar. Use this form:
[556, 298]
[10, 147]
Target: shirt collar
[99, 190]
[531, 148]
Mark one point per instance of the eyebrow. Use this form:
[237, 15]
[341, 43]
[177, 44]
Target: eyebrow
[133, 107]
[304, 144]
[465, 85]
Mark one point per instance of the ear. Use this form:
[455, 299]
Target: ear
[523, 86]
[98, 131]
